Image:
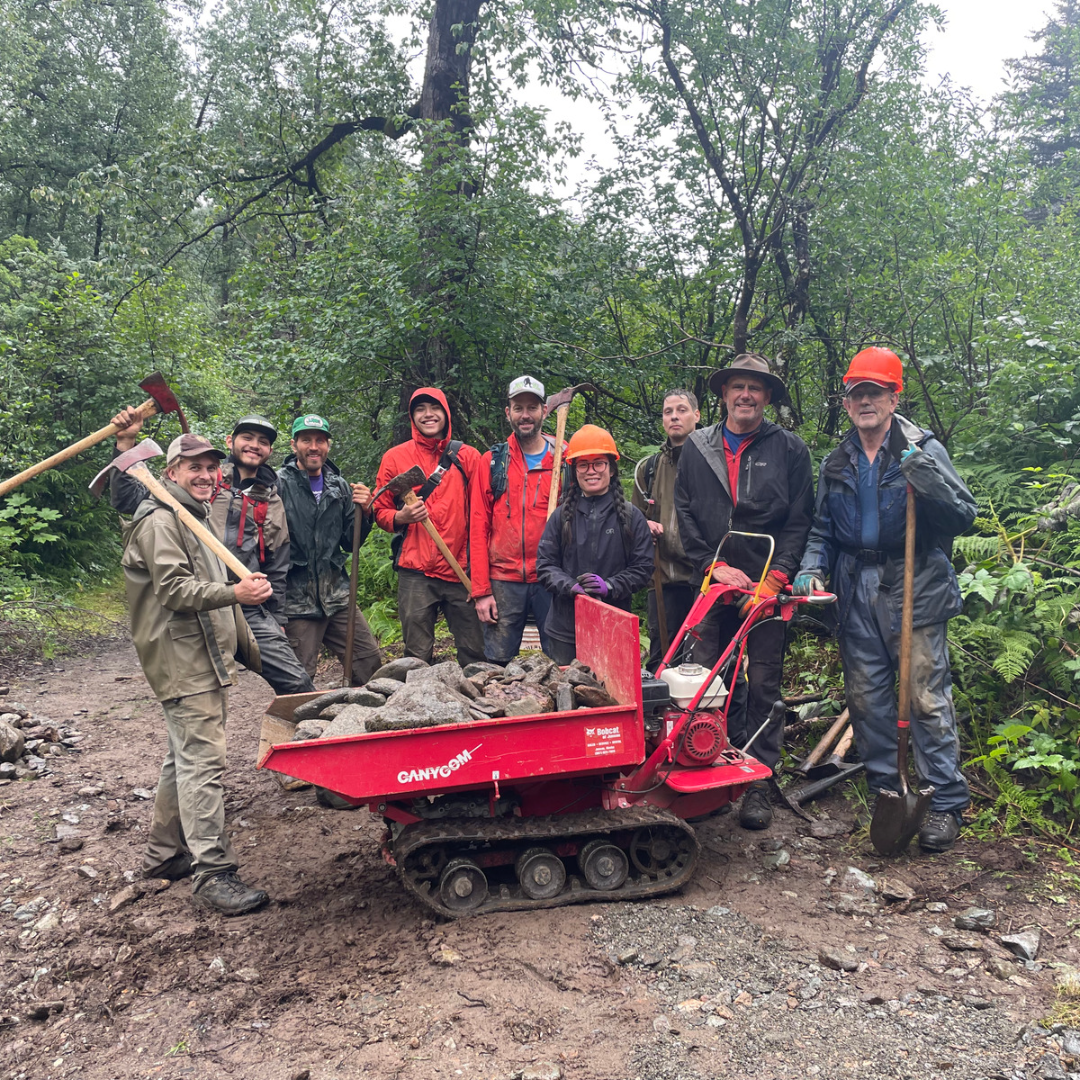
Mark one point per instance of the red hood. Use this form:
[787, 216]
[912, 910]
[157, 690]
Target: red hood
[438, 445]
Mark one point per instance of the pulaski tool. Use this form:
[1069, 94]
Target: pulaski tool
[560, 402]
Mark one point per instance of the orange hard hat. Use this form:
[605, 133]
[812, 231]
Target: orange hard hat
[590, 440]
[877, 365]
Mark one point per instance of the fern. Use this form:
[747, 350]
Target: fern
[1017, 651]
[978, 548]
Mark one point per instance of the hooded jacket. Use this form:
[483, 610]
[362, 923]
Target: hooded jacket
[320, 535]
[675, 568]
[271, 557]
[774, 495]
[448, 504]
[505, 532]
[184, 620]
[944, 508]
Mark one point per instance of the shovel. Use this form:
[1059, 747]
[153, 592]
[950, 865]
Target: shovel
[899, 814]
[354, 577]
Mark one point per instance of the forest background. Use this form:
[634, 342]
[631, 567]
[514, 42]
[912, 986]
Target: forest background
[284, 208]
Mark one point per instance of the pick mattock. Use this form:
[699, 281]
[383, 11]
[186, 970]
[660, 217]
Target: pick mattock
[161, 400]
[133, 462]
[560, 402]
[899, 814]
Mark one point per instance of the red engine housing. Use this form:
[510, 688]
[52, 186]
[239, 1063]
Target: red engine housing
[704, 740]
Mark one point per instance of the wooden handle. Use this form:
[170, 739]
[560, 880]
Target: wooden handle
[907, 619]
[147, 408]
[354, 577]
[824, 743]
[156, 488]
[844, 745]
[409, 498]
[556, 468]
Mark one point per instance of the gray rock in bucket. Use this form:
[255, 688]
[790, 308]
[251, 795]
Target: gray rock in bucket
[367, 698]
[424, 704]
[481, 667]
[352, 720]
[449, 674]
[385, 687]
[398, 669]
[309, 729]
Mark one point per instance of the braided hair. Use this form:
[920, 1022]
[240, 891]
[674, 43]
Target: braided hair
[571, 494]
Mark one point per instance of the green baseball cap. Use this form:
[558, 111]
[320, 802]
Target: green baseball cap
[310, 422]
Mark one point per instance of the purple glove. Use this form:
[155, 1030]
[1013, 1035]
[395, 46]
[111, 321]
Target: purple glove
[576, 588]
[594, 585]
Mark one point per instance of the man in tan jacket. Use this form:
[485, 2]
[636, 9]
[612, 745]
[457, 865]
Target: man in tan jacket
[185, 622]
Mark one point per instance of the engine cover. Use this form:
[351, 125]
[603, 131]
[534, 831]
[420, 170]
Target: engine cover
[704, 740]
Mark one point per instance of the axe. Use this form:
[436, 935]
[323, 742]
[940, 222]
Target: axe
[401, 486]
[560, 402]
[161, 400]
[133, 462]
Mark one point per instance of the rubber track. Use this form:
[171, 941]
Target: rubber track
[560, 827]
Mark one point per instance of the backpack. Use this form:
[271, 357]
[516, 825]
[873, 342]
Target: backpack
[258, 515]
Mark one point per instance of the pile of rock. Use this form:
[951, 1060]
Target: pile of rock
[27, 742]
[408, 693]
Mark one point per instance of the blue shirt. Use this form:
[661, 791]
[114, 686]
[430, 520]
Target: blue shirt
[316, 483]
[534, 461]
[735, 441]
[868, 496]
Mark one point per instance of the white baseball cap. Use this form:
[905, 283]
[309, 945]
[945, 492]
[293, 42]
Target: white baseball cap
[526, 384]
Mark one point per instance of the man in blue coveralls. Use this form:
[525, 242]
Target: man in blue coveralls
[857, 540]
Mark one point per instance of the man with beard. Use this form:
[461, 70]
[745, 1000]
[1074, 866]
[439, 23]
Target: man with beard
[247, 515]
[427, 584]
[319, 505]
[509, 512]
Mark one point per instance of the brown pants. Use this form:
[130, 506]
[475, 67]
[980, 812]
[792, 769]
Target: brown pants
[307, 636]
[189, 808]
[420, 598]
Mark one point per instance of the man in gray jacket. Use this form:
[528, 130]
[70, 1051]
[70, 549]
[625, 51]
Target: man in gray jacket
[857, 540]
[184, 624]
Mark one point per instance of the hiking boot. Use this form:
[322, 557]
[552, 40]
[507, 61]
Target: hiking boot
[756, 809]
[227, 894]
[179, 866]
[939, 830]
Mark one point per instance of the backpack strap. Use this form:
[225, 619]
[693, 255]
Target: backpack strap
[500, 468]
[258, 515]
[449, 457]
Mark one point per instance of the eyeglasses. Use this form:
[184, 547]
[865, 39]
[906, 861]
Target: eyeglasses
[867, 393]
[591, 466]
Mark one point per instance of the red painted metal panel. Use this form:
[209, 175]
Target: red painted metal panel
[609, 641]
[455, 757]
[731, 768]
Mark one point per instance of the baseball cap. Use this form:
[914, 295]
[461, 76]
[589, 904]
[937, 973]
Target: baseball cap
[310, 422]
[852, 386]
[254, 422]
[526, 384]
[190, 445]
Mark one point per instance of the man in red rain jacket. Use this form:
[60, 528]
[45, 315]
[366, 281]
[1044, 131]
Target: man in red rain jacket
[509, 512]
[426, 582]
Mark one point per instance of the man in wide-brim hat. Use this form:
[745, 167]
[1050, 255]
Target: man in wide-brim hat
[746, 474]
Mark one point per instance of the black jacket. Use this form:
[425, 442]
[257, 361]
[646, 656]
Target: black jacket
[598, 549]
[775, 496]
[321, 536]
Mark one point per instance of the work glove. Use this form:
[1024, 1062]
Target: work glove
[911, 449]
[772, 584]
[594, 585]
[807, 582]
[576, 588]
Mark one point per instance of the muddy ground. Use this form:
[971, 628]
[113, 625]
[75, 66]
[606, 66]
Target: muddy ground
[344, 976]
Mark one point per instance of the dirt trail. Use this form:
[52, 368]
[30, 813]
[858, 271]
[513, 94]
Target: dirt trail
[344, 976]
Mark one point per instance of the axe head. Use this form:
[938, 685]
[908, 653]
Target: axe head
[142, 452]
[156, 386]
[398, 485]
[565, 396]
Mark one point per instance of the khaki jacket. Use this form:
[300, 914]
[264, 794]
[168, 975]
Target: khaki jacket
[184, 619]
[675, 567]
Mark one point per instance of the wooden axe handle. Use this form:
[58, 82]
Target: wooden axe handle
[147, 408]
[560, 432]
[824, 743]
[156, 488]
[409, 498]
[844, 745]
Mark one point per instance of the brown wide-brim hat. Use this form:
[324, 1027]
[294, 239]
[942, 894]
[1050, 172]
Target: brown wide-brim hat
[751, 364]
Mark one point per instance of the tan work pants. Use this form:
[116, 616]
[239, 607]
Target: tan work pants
[307, 636]
[189, 809]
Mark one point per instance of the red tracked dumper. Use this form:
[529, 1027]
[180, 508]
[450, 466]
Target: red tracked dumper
[539, 811]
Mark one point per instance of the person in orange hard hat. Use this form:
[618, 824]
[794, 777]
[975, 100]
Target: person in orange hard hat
[857, 542]
[594, 543]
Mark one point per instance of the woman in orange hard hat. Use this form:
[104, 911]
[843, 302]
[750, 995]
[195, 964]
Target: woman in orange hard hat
[594, 543]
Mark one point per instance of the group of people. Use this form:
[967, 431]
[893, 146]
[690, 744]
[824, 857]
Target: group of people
[294, 528]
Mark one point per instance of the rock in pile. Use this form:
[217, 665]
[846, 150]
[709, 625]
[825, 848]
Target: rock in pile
[27, 742]
[408, 693]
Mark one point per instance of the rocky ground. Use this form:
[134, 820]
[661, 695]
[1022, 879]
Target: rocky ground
[793, 953]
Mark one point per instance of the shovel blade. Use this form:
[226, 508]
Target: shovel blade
[897, 818]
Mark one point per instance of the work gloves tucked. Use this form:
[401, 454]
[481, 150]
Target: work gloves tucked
[593, 584]
[773, 584]
[807, 582]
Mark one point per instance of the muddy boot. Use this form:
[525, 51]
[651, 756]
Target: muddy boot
[179, 866]
[227, 894]
[939, 831]
[756, 809]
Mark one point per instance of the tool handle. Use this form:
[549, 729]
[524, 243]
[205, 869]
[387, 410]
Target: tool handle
[907, 620]
[409, 498]
[824, 743]
[147, 408]
[354, 578]
[661, 607]
[556, 468]
[156, 488]
[844, 745]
